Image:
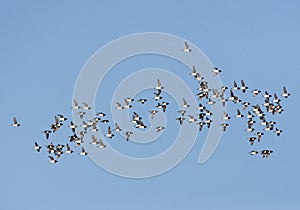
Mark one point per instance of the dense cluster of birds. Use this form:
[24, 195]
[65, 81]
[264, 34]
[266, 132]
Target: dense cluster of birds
[255, 114]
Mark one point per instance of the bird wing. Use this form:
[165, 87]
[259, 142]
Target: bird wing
[186, 45]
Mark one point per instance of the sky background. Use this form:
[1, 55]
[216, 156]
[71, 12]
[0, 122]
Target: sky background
[44, 45]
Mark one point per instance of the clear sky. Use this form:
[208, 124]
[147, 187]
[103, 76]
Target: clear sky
[45, 44]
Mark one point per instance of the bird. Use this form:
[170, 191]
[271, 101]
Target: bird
[251, 140]
[224, 125]
[191, 119]
[85, 106]
[276, 99]
[15, 124]
[129, 100]
[208, 113]
[103, 121]
[62, 118]
[201, 124]
[127, 104]
[101, 114]
[246, 104]
[52, 160]
[142, 100]
[259, 136]
[266, 153]
[180, 119]
[253, 152]
[201, 107]
[69, 151]
[128, 134]
[75, 105]
[140, 124]
[117, 128]
[182, 112]
[235, 86]
[216, 71]
[250, 129]
[194, 72]
[243, 87]
[81, 114]
[208, 122]
[285, 93]
[267, 95]
[153, 113]
[278, 132]
[37, 147]
[94, 129]
[157, 95]
[210, 101]
[109, 133]
[119, 106]
[187, 48]
[185, 104]
[249, 116]
[101, 144]
[256, 92]
[158, 87]
[94, 140]
[239, 115]
[198, 77]
[226, 116]
[84, 125]
[83, 152]
[47, 133]
[159, 128]
[72, 126]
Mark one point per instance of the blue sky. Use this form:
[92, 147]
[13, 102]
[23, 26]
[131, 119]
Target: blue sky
[45, 45]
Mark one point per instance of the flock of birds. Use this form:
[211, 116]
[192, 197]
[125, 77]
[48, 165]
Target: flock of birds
[254, 114]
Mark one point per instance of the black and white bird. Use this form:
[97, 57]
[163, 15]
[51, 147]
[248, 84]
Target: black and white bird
[235, 86]
[119, 106]
[101, 144]
[117, 128]
[194, 72]
[159, 86]
[128, 135]
[15, 123]
[47, 133]
[153, 113]
[37, 147]
[75, 105]
[191, 119]
[180, 119]
[52, 160]
[68, 151]
[187, 48]
[225, 116]
[109, 133]
[216, 71]
[159, 128]
[94, 140]
[243, 87]
[72, 126]
[224, 125]
[251, 140]
[256, 92]
[278, 132]
[253, 152]
[185, 104]
[86, 106]
[285, 93]
[142, 100]
[239, 115]
[259, 136]
[266, 153]
[83, 152]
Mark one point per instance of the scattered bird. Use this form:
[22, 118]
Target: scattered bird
[142, 100]
[153, 113]
[85, 106]
[216, 71]
[224, 125]
[239, 115]
[128, 134]
[285, 93]
[253, 152]
[75, 105]
[185, 104]
[256, 92]
[159, 128]
[109, 133]
[83, 152]
[278, 131]
[37, 147]
[15, 124]
[69, 151]
[187, 48]
[52, 160]
[101, 144]
[266, 153]
[47, 133]
[243, 87]
[159, 87]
